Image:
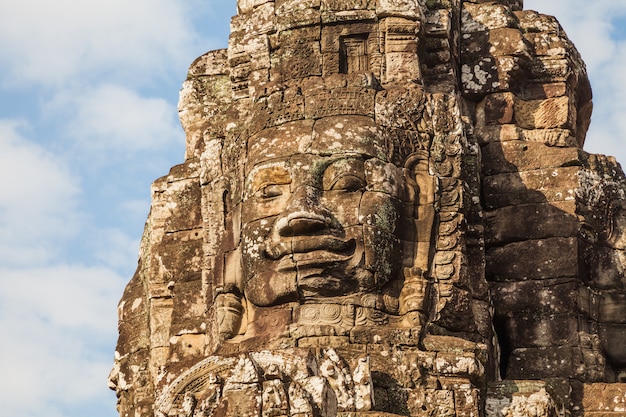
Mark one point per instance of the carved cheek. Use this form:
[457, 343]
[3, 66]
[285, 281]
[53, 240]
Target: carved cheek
[344, 206]
[379, 210]
[255, 208]
[254, 236]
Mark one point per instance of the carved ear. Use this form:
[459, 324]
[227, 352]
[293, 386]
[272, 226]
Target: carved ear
[616, 223]
[229, 305]
[233, 276]
[424, 185]
[419, 177]
[229, 311]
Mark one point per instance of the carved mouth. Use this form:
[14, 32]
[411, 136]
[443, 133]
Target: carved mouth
[314, 252]
[320, 258]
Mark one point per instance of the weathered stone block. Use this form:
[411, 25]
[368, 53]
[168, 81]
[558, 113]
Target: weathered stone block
[246, 6]
[431, 402]
[545, 114]
[531, 21]
[160, 320]
[533, 259]
[507, 42]
[456, 310]
[184, 209]
[301, 60]
[604, 267]
[480, 76]
[291, 14]
[545, 297]
[519, 156]
[539, 91]
[339, 5]
[496, 108]
[536, 186]
[290, 136]
[188, 318]
[405, 8]
[486, 16]
[549, 69]
[613, 340]
[604, 399]
[545, 362]
[495, 133]
[540, 221]
[181, 252]
[526, 398]
[548, 44]
[536, 331]
[612, 308]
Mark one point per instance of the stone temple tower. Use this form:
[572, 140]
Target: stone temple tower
[384, 210]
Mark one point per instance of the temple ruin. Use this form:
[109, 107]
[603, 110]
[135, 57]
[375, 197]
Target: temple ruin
[384, 209]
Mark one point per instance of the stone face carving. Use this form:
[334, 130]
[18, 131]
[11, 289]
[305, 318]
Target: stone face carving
[322, 227]
[384, 210]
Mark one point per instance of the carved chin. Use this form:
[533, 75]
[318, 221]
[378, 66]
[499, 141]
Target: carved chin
[328, 286]
[270, 288]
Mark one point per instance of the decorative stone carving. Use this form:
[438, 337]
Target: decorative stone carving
[384, 210]
[282, 383]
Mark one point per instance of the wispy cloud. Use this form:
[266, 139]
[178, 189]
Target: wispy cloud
[96, 129]
[112, 118]
[38, 202]
[71, 311]
[51, 43]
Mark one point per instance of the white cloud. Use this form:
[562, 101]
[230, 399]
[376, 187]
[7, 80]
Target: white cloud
[90, 64]
[114, 118]
[55, 322]
[37, 202]
[117, 249]
[52, 42]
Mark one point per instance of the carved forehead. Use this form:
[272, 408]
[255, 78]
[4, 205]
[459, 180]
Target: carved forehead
[355, 134]
[327, 136]
[280, 142]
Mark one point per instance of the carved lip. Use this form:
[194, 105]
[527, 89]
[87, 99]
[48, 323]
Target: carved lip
[314, 251]
[319, 257]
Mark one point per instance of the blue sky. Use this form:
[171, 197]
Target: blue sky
[88, 120]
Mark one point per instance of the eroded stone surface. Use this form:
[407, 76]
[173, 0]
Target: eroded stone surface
[383, 210]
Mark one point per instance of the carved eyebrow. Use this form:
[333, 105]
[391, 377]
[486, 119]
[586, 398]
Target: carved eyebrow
[272, 174]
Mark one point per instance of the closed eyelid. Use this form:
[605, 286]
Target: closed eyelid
[346, 181]
[344, 175]
[271, 190]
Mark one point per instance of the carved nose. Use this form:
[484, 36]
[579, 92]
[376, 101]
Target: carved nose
[303, 216]
[301, 225]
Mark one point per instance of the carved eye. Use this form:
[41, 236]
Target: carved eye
[270, 190]
[347, 182]
[347, 174]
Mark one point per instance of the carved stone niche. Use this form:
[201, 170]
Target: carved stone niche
[353, 54]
